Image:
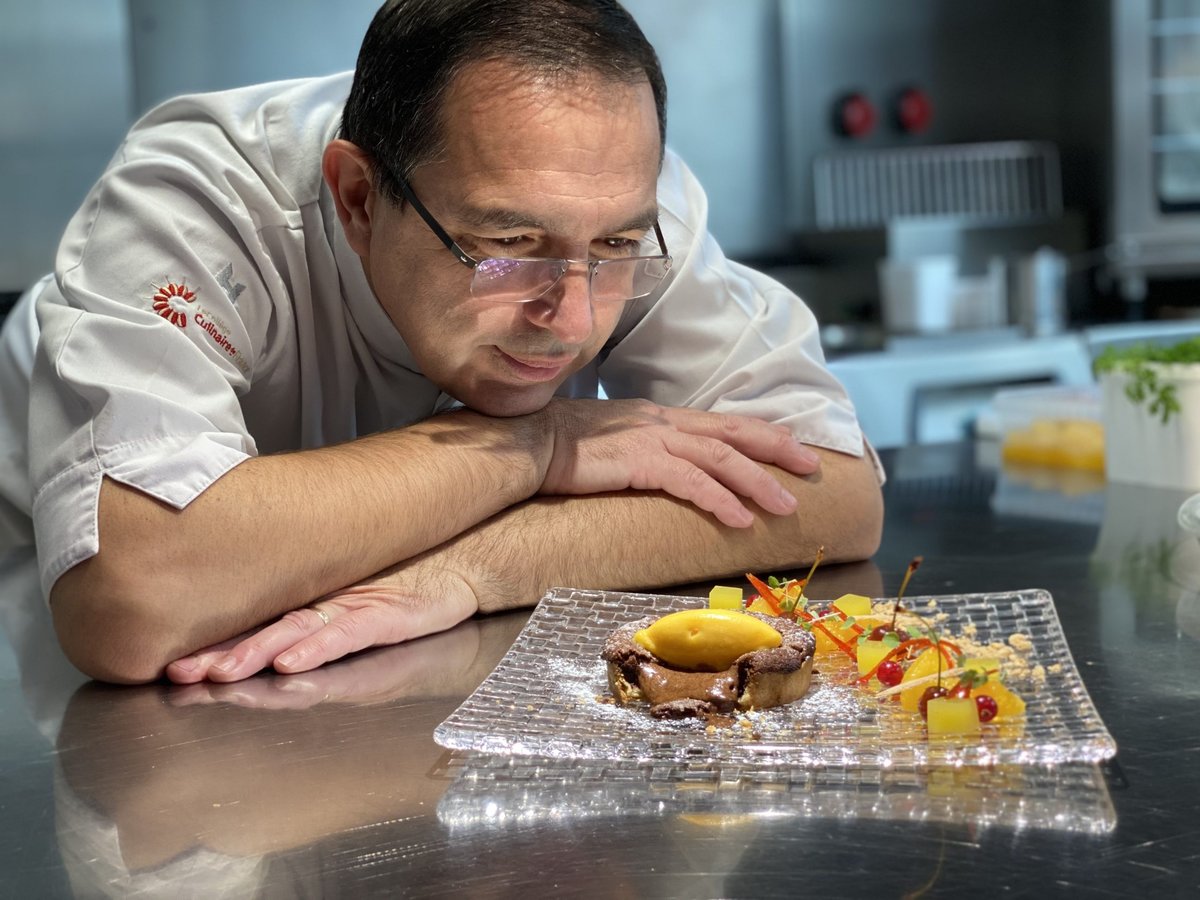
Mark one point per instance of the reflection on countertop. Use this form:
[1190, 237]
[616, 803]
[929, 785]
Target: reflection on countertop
[492, 792]
[330, 784]
[205, 787]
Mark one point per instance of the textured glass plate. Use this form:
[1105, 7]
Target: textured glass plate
[549, 697]
[496, 792]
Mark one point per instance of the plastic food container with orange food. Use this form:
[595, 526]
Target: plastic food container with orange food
[1056, 427]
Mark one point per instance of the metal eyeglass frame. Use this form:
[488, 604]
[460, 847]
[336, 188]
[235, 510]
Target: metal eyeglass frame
[470, 262]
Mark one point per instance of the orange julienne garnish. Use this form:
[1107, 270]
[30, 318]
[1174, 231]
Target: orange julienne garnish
[778, 601]
[767, 593]
[777, 604]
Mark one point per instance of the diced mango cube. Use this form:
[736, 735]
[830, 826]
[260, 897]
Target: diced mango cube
[853, 604]
[725, 597]
[952, 715]
[870, 654]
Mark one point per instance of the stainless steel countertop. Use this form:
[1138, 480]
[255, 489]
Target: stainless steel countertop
[330, 784]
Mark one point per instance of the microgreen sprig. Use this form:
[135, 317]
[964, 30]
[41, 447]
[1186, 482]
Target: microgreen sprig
[1144, 385]
[788, 603]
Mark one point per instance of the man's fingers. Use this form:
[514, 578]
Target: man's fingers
[715, 461]
[736, 472]
[687, 481]
[384, 611]
[758, 440]
[713, 476]
[194, 668]
[375, 621]
[349, 632]
[795, 457]
[256, 652]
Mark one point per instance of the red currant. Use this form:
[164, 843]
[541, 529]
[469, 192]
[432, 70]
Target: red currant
[986, 707]
[931, 693]
[889, 673]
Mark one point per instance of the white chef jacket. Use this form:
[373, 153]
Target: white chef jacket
[206, 308]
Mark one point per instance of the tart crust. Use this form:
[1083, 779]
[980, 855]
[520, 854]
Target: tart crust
[757, 680]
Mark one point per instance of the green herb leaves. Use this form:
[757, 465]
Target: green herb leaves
[1145, 384]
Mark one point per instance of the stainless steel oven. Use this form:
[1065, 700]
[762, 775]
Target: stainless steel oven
[928, 132]
[1155, 219]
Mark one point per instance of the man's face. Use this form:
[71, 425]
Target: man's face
[529, 171]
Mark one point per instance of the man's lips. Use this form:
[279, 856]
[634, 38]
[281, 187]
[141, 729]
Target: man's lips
[535, 369]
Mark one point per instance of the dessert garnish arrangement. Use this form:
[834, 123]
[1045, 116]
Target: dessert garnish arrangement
[766, 650]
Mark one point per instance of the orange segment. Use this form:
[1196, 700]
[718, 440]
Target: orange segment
[925, 664]
[1008, 704]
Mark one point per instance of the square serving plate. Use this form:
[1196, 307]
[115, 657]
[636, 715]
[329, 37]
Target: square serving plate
[494, 793]
[549, 697]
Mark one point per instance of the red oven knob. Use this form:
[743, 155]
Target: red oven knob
[913, 110]
[853, 115]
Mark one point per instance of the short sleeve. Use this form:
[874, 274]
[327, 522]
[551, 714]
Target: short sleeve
[159, 314]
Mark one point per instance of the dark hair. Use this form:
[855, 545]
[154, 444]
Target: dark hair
[413, 50]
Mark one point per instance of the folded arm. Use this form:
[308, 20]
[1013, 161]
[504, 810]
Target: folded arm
[277, 532]
[613, 541]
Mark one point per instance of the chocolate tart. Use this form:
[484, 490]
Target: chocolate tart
[757, 680]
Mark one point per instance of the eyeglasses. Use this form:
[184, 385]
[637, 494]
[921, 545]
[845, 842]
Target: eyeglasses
[519, 280]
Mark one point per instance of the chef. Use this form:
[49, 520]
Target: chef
[339, 362]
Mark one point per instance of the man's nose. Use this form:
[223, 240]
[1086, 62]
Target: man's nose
[566, 309]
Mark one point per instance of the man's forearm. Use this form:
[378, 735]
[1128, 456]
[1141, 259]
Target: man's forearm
[634, 495]
[621, 539]
[278, 531]
[645, 540]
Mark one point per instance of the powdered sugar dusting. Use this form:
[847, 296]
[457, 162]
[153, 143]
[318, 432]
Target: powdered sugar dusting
[549, 697]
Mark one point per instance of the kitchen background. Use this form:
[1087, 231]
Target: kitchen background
[970, 195]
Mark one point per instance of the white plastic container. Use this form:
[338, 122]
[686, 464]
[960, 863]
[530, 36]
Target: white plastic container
[1139, 447]
[1021, 407]
[918, 296]
[930, 296]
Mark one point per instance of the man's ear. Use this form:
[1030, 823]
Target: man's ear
[347, 170]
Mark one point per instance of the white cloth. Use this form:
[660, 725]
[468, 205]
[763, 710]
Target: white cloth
[206, 308]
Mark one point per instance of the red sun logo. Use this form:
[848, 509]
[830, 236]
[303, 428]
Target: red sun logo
[171, 302]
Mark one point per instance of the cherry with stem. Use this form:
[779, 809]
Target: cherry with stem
[879, 632]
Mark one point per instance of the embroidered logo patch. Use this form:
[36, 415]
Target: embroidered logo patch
[171, 302]
[176, 303]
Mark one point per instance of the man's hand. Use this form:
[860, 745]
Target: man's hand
[444, 664]
[404, 603]
[708, 459]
